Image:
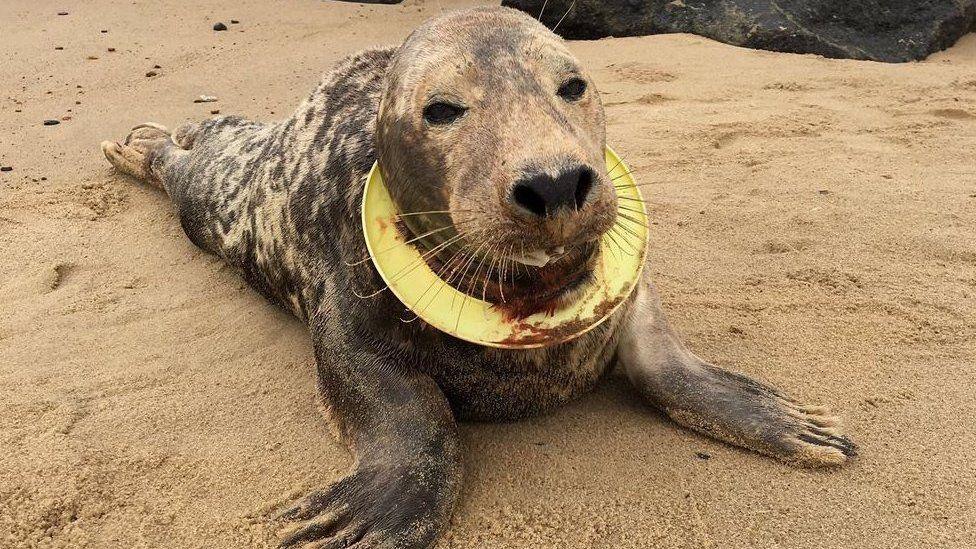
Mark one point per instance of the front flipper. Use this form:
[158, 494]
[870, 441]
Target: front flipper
[725, 405]
[406, 478]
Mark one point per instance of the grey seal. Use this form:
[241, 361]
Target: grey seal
[490, 130]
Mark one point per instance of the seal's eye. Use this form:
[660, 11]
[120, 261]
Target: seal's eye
[572, 89]
[441, 113]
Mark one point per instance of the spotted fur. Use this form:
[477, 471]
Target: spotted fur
[280, 201]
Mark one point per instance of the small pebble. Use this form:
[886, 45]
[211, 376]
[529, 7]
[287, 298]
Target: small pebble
[104, 31]
[156, 67]
[150, 74]
[205, 99]
[823, 191]
[234, 21]
[6, 168]
[92, 57]
[220, 27]
[59, 48]
[215, 111]
[111, 49]
[51, 122]
[703, 455]
[62, 13]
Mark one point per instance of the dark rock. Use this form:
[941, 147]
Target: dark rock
[150, 74]
[6, 168]
[703, 455]
[878, 30]
[62, 13]
[220, 27]
[51, 122]
[234, 21]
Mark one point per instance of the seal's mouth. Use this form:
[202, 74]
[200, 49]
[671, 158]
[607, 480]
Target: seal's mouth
[521, 284]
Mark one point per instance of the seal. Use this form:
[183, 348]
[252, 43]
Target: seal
[491, 137]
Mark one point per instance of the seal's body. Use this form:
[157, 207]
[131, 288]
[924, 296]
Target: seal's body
[281, 203]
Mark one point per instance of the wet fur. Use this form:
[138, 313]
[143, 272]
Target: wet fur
[280, 202]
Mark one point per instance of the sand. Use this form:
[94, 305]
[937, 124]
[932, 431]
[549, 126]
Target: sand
[815, 226]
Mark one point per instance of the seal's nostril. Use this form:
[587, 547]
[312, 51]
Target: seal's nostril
[583, 186]
[528, 198]
[544, 195]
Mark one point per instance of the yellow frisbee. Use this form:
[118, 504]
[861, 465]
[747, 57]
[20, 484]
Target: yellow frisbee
[410, 278]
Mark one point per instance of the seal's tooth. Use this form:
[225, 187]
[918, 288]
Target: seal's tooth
[536, 258]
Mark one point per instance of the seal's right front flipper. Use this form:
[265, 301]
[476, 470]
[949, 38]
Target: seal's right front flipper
[720, 403]
[406, 476]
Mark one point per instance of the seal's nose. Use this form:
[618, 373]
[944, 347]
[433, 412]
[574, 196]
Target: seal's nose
[542, 194]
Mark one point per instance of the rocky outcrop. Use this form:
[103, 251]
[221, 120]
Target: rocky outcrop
[879, 30]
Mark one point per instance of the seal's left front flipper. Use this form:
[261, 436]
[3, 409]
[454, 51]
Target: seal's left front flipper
[720, 403]
[406, 477]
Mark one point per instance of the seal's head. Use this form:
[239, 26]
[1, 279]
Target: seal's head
[491, 138]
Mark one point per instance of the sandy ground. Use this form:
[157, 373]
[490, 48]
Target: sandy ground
[815, 226]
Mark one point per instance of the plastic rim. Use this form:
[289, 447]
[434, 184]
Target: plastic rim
[466, 317]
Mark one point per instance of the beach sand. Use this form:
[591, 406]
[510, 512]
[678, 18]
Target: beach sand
[814, 225]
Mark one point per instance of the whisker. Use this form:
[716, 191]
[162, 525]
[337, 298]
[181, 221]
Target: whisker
[629, 230]
[411, 266]
[632, 185]
[619, 207]
[543, 10]
[519, 264]
[610, 234]
[629, 198]
[632, 219]
[471, 258]
[464, 300]
[431, 212]
[619, 162]
[606, 242]
[447, 282]
[624, 239]
[491, 265]
[625, 174]
[467, 292]
[571, 6]
[501, 272]
[414, 239]
[438, 278]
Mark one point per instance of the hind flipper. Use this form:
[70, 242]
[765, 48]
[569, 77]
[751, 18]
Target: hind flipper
[136, 154]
